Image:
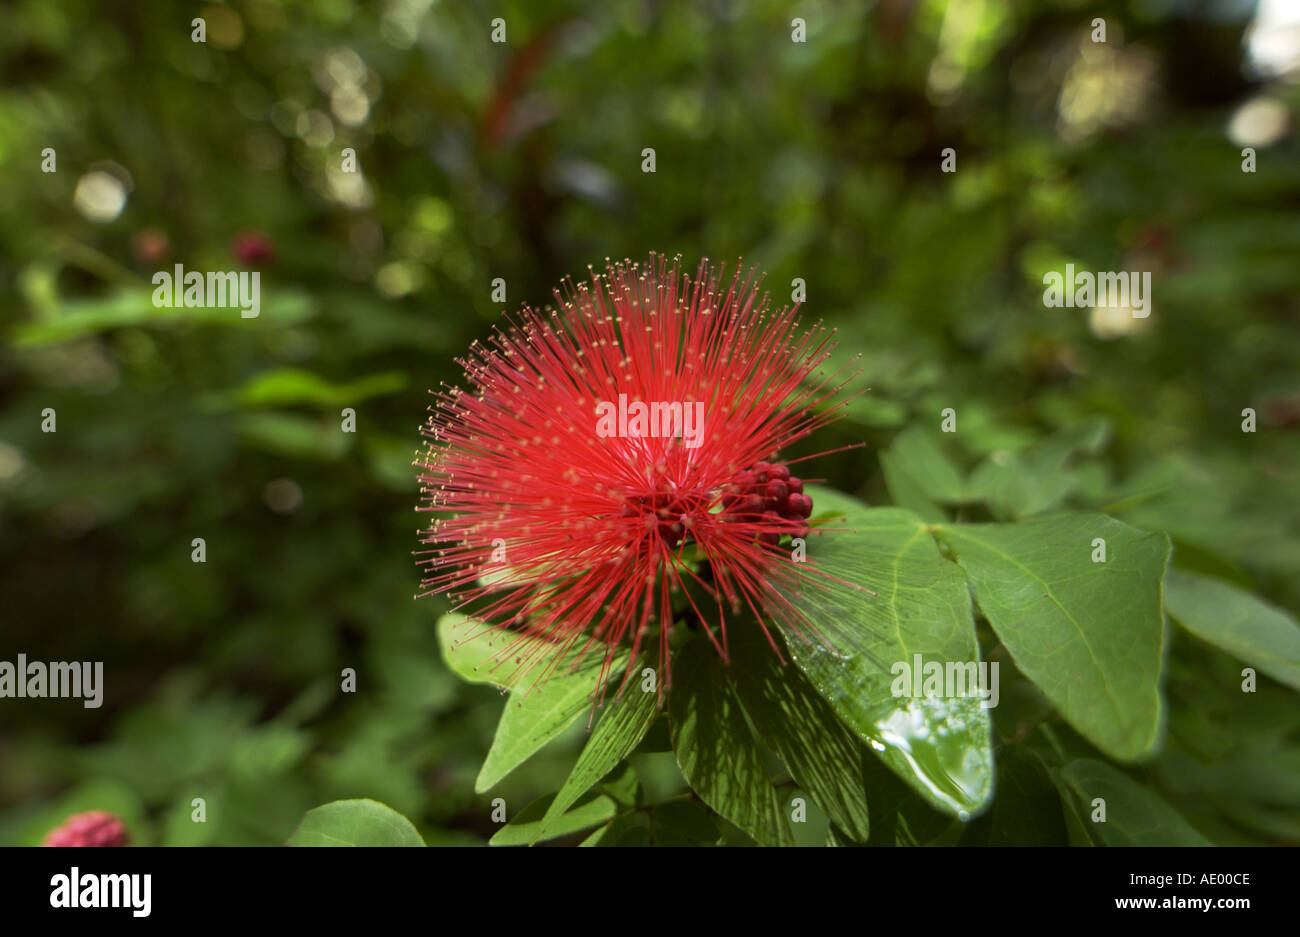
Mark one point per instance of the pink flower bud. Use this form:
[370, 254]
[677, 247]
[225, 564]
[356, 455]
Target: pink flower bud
[95, 828]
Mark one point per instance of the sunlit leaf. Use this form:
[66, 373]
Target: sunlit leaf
[1089, 633]
[355, 823]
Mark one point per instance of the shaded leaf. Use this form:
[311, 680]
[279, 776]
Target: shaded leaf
[818, 750]
[294, 435]
[1027, 810]
[716, 750]
[916, 454]
[1135, 815]
[1245, 626]
[687, 818]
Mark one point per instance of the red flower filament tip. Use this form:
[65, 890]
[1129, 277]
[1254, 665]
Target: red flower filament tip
[618, 451]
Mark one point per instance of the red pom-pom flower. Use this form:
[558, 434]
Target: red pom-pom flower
[620, 450]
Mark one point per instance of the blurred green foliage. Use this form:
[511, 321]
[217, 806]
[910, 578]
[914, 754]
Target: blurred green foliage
[522, 161]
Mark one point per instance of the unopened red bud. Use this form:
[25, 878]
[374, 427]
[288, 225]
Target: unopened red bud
[799, 505]
[772, 521]
[95, 828]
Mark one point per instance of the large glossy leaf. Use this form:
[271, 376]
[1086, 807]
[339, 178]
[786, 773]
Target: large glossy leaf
[715, 749]
[1089, 634]
[819, 751]
[355, 823]
[621, 727]
[1247, 627]
[1135, 815]
[545, 700]
[940, 746]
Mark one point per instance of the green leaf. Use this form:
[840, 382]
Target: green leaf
[907, 493]
[294, 435]
[526, 828]
[1020, 485]
[982, 430]
[1027, 810]
[633, 836]
[624, 785]
[818, 750]
[545, 701]
[295, 386]
[1089, 634]
[607, 834]
[1245, 626]
[616, 735]
[1135, 815]
[471, 649]
[355, 823]
[132, 306]
[539, 711]
[916, 454]
[875, 411]
[939, 746]
[686, 818]
[1076, 826]
[716, 751]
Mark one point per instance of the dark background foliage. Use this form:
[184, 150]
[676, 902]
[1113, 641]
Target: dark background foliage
[816, 160]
